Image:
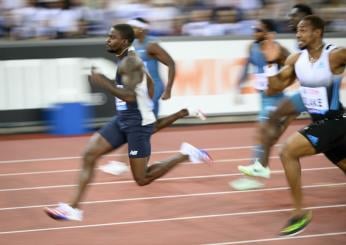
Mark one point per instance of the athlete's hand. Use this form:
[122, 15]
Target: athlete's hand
[98, 79]
[166, 95]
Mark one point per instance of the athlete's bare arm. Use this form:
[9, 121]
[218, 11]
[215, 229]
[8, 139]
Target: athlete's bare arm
[158, 53]
[132, 70]
[285, 77]
[337, 60]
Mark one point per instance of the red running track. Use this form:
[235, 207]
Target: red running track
[193, 204]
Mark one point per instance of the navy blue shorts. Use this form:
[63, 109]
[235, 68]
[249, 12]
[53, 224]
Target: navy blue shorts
[136, 136]
[328, 137]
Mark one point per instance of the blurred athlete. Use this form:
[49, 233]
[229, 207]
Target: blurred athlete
[264, 41]
[296, 13]
[152, 54]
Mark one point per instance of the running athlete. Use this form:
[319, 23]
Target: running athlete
[152, 54]
[297, 13]
[264, 41]
[319, 69]
[134, 124]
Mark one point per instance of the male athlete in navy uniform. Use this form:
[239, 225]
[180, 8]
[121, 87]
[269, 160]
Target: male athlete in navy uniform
[319, 69]
[134, 124]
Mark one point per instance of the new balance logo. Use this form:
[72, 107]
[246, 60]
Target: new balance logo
[133, 153]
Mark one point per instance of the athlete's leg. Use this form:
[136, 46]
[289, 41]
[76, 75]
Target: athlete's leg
[96, 147]
[295, 147]
[144, 175]
[270, 132]
[342, 165]
[168, 120]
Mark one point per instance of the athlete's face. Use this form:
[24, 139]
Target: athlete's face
[138, 31]
[294, 17]
[115, 43]
[306, 34]
[259, 32]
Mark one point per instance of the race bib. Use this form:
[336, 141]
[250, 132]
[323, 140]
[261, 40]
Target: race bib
[315, 99]
[119, 103]
[261, 81]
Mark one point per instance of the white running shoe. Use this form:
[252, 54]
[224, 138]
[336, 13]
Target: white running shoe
[195, 155]
[115, 168]
[196, 113]
[256, 170]
[243, 184]
[64, 212]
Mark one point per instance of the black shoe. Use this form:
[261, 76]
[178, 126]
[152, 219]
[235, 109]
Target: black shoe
[296, 224]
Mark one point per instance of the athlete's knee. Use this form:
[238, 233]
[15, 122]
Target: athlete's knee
[90, 155]
[287, 152]
[141, 181]
[342, 165]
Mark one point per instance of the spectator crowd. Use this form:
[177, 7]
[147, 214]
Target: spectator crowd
[55, 19]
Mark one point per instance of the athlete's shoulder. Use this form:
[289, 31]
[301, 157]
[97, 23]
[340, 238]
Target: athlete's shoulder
[292, 58]
[338, 55]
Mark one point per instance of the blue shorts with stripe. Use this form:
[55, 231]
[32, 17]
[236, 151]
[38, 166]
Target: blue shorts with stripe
[135, 135]
[269, 104]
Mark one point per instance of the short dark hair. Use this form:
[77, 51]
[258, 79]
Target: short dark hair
[140, 19]
[269, 24]
[126, 32]
[316, 22]
[303, 8]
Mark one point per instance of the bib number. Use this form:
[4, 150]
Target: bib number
[119, 103]
[261, 81]
[315, 99]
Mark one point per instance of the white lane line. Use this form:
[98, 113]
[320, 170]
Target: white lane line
[271, 211]
[74, 170]
[232, 160]
[281, 238]
[162, 179]
[176, 196]
[122, 154]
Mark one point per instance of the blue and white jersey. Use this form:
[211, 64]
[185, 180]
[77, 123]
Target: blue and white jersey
[319, 86]
[258, 61]
[139, 112]
[150, 63]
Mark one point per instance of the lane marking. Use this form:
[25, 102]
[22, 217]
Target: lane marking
[271, 211]
[177, 196]
[76, 170]
[120, 154]
[161, 179]
[281, 238]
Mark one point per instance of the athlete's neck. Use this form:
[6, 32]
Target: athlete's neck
[315, 51]
[121, 54]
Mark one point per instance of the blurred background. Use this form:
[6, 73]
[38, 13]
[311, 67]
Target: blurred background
[56, 19]
[48, 46]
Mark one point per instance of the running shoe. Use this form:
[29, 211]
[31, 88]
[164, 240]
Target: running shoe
[64, 212]
[195, 155]
[296, 224]
[255, 170]
[196, 113]
[115, 168]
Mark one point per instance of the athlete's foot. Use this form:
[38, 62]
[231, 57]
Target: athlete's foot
[195, 155]
[196, 113]
[256, 170]
[64, 212]
[296, 224]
